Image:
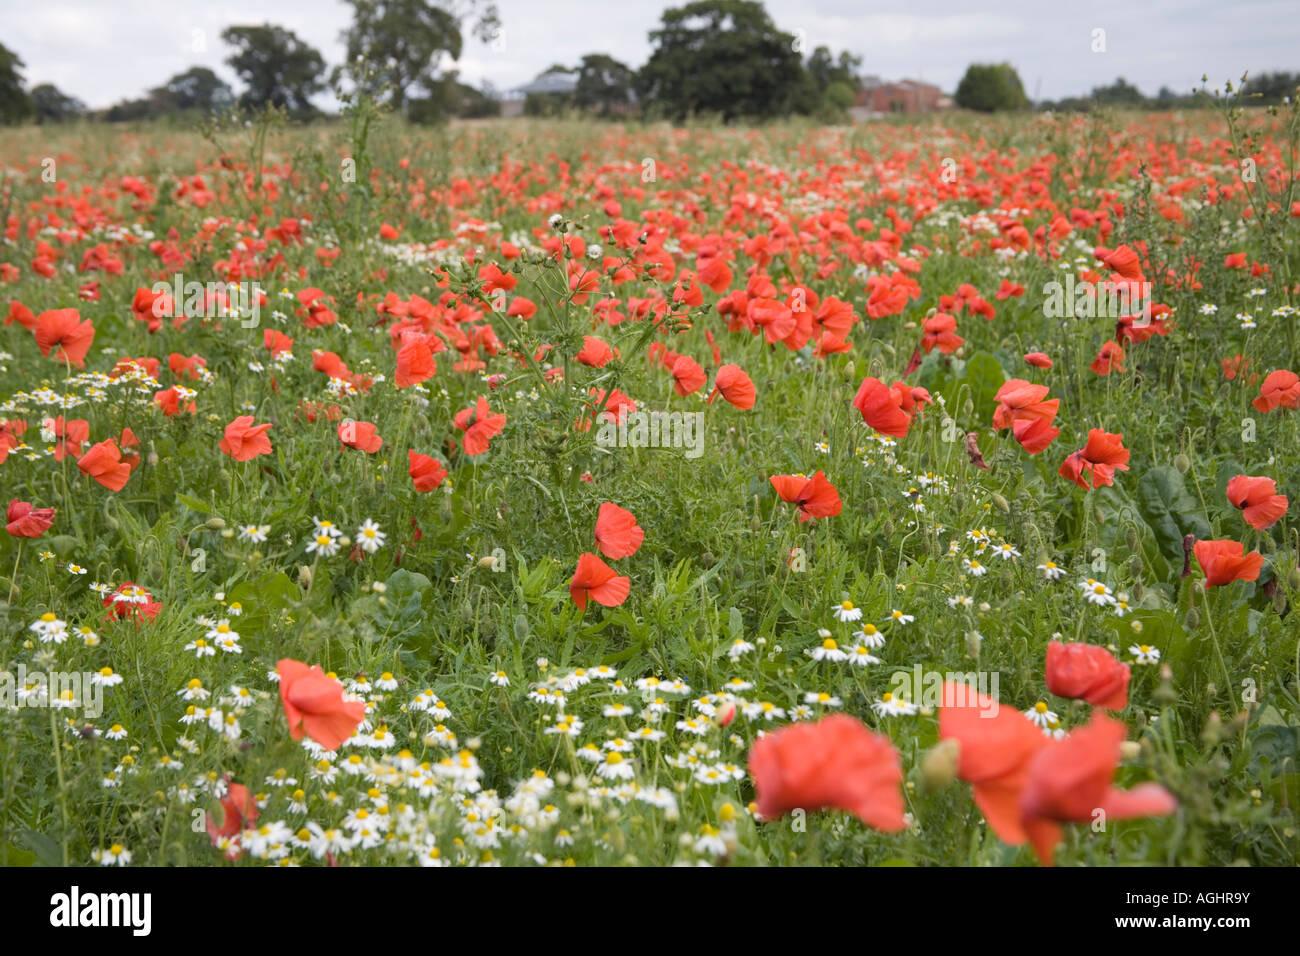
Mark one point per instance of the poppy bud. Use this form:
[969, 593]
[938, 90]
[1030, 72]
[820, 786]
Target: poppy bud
[887, 529]
[969, 408]
[304, 576]
[1131, 538]
[1293, 579]
[1137, 590]
[873, 509]
[755, 523]
[725, 714]
[486, 561]
[1182, 462]
[1279, 601]
[1192, 620]
[1267, 545]
[1129, 750]
[1002, 504]
[1099, 515]
[1135, 566]
[939, 765]
[521, 628]
[973, 640]
[707, 559]
[153, 459]
[216, 524]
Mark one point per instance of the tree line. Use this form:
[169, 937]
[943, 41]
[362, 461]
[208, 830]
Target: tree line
[719, 58]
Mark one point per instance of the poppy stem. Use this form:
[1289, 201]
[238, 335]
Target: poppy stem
[63, 790]
[13, 578]
[1209, 617]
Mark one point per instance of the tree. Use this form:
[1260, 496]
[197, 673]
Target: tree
[53, 106]
[1270, 87]
[198, 88]
[604, 84]
[399, 43]
[989, 87]
[278, 68]
[15, 104]
[725, 57]
[1119, 93]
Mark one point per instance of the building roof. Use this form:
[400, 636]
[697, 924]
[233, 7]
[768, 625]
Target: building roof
[550, 83]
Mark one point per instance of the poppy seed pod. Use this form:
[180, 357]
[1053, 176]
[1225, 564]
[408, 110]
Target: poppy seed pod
[939, 765]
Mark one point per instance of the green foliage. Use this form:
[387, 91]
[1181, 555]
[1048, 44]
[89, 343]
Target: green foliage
[277, 67]
[991, 88]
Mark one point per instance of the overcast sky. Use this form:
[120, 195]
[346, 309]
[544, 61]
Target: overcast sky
[103, 51]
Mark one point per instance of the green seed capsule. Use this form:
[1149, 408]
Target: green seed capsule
[1182, 462]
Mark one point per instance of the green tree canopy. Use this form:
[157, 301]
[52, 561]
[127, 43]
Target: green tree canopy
[725, 57]
[198, 88]
[604, 83]
[15, 104]
[990, 87]
[277, 67]
[398, 44]
[54, 106]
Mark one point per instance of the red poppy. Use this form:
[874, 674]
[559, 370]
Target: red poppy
[834, 763]
[595, 353]
[735, 386]
[1109, 358]
[688, 376]
[1257, 497]
[415, 361]
[940, 331]
[1280, 388]
[426, 472]
[63, 328]
[1097, 461]
[595, 579]
[815, 496]
[243, 440]
[617, 533]
[314, 705]
[24, 521]
[996, 746]
[479, 425]
[238, 813]
[104, 463]
[131, 601]
[1071, 780]
[1087, 672]
[1038, 359]
[69, 436]
[1226, 561]
[363, 436]
[880, 408]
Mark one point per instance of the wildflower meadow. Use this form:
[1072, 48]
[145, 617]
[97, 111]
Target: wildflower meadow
[544, 492]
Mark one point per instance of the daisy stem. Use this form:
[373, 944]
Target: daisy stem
[63, 790]
[13, 578]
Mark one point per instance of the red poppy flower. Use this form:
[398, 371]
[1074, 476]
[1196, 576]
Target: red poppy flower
[1280, 388]
[688, 376]
[1071, 780]
[940, 331]
[314, 705]
[243, 440]
[1097, 461]
[1038, 359]
[834, 763]
[1226, 561]
[1258, 500]
[415, 361]
[426, 472]
[104, 463]
[595, 579]
[996, 745]
[735, 386]
[815, 496]
[479, 425]
[617, 533]
[238, 813]
[24, 521]
[1087, 672]
[131, 601]
[363, 436]
[880, 408]
[595, 353]
[63, 328]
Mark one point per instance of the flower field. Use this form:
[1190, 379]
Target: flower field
[550, 493]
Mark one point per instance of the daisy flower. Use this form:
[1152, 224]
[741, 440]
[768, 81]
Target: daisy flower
[1145, 653]
[1041, 716]
[1051, 570]
[828, 650]
[846, 612]
[891, 706]
[254, 533]
[369, 537]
